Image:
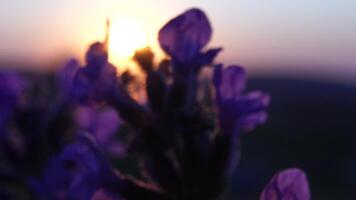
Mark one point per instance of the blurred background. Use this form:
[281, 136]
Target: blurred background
[302, 52]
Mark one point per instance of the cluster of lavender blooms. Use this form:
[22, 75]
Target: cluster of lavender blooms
[59, 145]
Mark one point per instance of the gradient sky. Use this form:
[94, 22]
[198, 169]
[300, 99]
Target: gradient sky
[275, 36]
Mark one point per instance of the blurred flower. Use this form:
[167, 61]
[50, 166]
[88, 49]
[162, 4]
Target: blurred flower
[290, 184]
[77, 173]
[238, 110]
[183, 39]
[103, 124]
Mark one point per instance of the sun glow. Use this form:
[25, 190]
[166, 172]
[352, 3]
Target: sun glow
[126, 36]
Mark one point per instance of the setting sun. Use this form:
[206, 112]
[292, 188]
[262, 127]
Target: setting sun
[126, 36]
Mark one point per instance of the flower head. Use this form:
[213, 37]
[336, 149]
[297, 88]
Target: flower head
[185, 36]
[76, 173]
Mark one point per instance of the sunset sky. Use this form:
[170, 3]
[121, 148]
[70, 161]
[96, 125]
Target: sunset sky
[275, 36]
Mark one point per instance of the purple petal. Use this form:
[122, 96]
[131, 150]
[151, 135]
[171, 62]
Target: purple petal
[233, 82]
[263, 97]
[238, 110]
[290, 184]
[249, 122]
[251, 109]
[184, 36]
[252, 102]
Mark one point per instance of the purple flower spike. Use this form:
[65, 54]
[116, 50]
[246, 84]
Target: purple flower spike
[184, 36]
[236, 109]
[76, 173]
[290, 184]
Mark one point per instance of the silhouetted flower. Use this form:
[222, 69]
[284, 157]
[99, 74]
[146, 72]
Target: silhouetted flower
[289, 184]
[238, 110]
[94, 81]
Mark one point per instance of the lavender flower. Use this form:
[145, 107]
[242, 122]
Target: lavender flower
[74, 174]
[181, 151]
[183, 39]
[81, 172]
[236, 109]
[289, 184]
